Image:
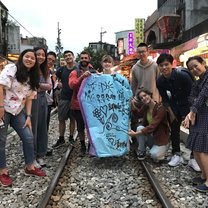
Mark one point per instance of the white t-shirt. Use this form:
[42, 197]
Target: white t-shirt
[16, 92]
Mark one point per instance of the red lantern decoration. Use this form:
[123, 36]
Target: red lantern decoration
[168, 25]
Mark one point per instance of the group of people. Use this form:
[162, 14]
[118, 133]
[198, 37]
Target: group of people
[163, 99]
[28, 91]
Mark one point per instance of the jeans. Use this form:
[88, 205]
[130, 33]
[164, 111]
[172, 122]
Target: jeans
[156, 152]
[25, 134]
[39, 124]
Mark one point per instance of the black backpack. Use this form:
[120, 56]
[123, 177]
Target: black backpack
[182, 69]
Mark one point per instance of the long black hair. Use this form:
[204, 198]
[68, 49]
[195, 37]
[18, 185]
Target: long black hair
[23, 73]
[43, 66]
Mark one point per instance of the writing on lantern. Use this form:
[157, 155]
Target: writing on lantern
[105, 101]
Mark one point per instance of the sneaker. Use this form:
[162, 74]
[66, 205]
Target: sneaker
[49, 152]
[5, 180]
[194, 165]
[137, 152]
[159, 159]
[41, 162]
[71, 141]
[82, 151]
[35, 172]
[202, 188]
[36, 164]
[198, 180]
[175, 160]
[59, 143]
[141, 156]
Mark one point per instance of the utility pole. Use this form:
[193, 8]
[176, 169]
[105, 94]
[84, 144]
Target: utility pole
[101, 34]
[59, 47]
[101, 37]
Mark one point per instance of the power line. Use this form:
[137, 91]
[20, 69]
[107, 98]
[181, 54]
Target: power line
[20, 24]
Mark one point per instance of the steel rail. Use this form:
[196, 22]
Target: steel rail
[156, 186]
[45, 199]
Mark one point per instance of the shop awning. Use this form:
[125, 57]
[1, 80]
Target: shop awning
[168, 24]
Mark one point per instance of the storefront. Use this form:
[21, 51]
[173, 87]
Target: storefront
[13, 57]
[125, 65]
[196, 47]
[3, 62]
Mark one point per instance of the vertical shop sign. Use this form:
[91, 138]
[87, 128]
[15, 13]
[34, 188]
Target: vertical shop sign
[120, 45]
[139, 31]
[130, 43]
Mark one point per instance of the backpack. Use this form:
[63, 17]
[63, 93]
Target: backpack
[182, 69]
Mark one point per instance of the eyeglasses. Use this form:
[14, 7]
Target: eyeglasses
[141, 52]
[50, 59]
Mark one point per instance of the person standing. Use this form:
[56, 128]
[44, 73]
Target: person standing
[197, 120]
[40, 108]
[75, 79]
[50, 94]
[145, 72]
[143, 75]
[64, 102]
[174, 87]
[18, 83]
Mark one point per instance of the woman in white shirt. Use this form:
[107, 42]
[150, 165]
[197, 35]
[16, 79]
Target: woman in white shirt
[18, 84]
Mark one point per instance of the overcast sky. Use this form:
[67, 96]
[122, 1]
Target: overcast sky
[80, 20]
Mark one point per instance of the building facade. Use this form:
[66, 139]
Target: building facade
[31, 42]
[3, 31]
[11, 42]
[98, 46]
[180, 26]
[125, 41]
[13, 38]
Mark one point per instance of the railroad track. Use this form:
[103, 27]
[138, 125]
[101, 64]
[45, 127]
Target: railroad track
[108, 182]
[48, 198]
[166, 203]
[45, 199]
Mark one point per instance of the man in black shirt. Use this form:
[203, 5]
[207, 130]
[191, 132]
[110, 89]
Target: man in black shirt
[64, 111]
[174, 87]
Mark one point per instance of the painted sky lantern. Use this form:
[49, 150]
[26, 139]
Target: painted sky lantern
[104, 101]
